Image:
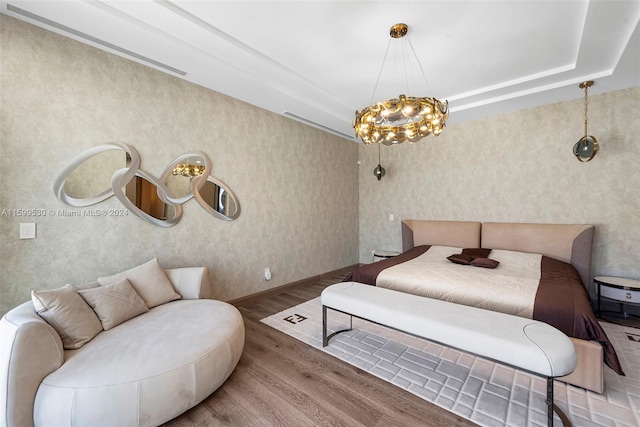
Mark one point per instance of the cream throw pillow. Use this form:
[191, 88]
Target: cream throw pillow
[66, 311]
[114, 303]
[150, 282]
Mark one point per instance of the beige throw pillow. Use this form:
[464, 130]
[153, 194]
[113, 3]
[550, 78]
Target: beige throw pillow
[150, 282]
[66, 311]
[114, 303]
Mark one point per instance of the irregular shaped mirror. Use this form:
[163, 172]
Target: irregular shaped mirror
[85, 180]
[217, 199]
[93, 176]
[183, 173]
[143, 196]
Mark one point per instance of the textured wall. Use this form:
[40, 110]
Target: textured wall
[517, 167]
[297, 186]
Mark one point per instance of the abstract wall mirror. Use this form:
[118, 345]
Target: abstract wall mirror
[93, 175]
[114, 169]
[140, 196]
[104, 157]
[185, 172]
[218, 199]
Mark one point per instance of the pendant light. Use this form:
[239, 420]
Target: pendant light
[379, 171]
[587, 147]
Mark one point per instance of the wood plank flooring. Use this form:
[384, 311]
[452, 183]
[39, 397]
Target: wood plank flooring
[281, 381]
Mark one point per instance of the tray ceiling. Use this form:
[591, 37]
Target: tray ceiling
[318, 61]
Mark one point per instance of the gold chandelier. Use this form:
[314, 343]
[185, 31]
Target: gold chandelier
[404, 118]
[187, 169]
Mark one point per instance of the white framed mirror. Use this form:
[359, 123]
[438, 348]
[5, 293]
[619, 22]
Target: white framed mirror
[141, 195]
[114, 169]
[218, 199]
[179, 181]
[80, 182]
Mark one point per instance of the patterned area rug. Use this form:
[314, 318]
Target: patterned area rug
[484, 392]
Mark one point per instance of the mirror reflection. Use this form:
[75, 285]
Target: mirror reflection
[184, 172]
[144, 195]
[178, 186]
[219, 199]
[93, 176]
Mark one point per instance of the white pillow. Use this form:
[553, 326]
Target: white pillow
[68, 314]
[114, 303]
[150, 282]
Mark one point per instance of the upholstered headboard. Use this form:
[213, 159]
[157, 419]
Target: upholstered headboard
[567, 242]
[461, 234]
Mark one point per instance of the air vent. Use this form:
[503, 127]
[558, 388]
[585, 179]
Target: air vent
[92, 39]
[317, 125]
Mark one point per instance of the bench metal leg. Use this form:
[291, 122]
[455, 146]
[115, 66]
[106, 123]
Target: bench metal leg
[551, 407]
[325, 337]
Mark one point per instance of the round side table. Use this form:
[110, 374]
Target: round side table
[624, 291]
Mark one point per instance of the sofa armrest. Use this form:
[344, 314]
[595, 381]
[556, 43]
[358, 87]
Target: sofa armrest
[30, 350]
[191, 282]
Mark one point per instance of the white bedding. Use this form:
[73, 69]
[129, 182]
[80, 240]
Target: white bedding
[509, 288]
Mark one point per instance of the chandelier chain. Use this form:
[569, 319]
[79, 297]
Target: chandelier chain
[586, 109]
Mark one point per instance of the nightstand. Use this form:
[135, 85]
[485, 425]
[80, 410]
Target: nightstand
[380, 255]
[624, 291]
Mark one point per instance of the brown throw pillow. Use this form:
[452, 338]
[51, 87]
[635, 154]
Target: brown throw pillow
[114, 303]
[485, 263]
[460, 259]
[476, 252]
[68, 314]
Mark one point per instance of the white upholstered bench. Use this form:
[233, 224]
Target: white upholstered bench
[525, 344]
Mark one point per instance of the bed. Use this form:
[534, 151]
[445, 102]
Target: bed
[541, 272]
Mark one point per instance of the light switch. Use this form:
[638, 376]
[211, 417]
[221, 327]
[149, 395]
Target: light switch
[27, 230]
[391, 217]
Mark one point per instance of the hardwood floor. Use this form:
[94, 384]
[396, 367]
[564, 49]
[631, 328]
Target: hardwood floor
[281, 381]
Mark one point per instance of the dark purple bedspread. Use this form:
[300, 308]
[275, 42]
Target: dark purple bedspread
[561, 300]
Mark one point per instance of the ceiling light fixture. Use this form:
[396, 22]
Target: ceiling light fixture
[404, 118]
[379, 171]
[587, 147]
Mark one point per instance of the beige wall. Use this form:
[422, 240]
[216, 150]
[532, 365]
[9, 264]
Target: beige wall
[517, 168]
[298, 186]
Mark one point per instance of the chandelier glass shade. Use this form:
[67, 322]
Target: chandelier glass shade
[401, 119]
[187, 169]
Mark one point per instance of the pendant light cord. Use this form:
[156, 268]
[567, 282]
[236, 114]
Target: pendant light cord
[380, 72]
[586, 109]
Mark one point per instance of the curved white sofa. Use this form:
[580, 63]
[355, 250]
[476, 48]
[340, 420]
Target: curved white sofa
[142, 372]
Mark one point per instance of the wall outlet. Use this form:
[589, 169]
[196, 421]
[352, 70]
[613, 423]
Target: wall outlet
[267, 274]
